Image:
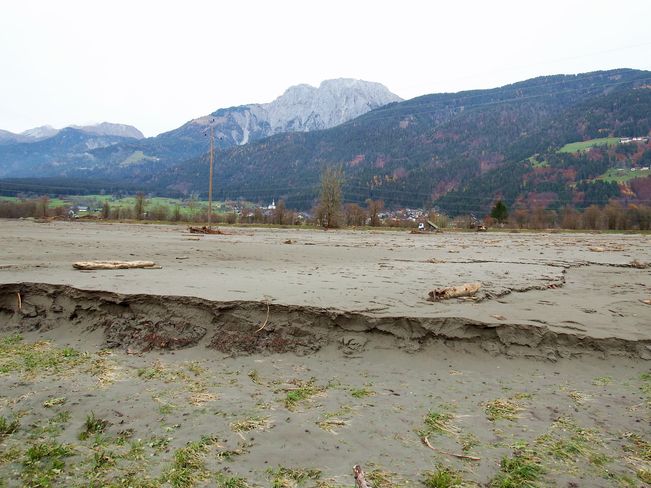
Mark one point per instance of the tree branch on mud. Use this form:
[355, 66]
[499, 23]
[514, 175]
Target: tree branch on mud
[440, 451]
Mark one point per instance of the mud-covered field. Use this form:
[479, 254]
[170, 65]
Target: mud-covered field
[283, 357]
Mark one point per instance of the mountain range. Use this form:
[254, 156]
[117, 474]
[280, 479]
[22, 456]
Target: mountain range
[459, 151]
[301, 108]
[46, 131]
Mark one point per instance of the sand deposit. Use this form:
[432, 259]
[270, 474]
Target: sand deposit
[273, 357]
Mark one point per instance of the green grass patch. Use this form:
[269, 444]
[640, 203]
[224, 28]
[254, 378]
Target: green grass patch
[226, 481]
[136, 157]
[7, 426]
[638, 446]
[29, 358]
[505, 408]
[380, 478]
[538, 164]
[522, 470]
[158, 371]
[188, 466]
[583, 145]
[602, 380]
[361, 392]
[251, 423]
[283, 477]
[438, 423]
[53, 402]
[617, 176]
[442, 478]
[468, 441]
[330, 421]
[159, 443]
[302, 392]
[44, 462]
[103, 460]
[644, 475]
[93, 426]
[645, 388]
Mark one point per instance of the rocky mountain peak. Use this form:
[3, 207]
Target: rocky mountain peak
[305, 108]
[300, 108]
[38, 133]
[109, 129]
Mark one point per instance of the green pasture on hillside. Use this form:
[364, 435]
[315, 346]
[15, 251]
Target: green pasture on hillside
[583, 145]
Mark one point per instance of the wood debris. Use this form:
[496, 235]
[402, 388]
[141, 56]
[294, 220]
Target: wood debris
[360, 480]
[465, 290]
[205, 230]
[88, 265]
[460, 456]
[265, 320]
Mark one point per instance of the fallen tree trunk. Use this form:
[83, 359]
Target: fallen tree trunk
[360, 481]
[86, 265]
[465, 290]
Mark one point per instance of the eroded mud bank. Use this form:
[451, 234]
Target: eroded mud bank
[140, 322]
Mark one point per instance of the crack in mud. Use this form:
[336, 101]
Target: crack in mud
[162, 322]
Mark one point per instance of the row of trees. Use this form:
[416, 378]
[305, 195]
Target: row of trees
[330, 212]
[613, 216]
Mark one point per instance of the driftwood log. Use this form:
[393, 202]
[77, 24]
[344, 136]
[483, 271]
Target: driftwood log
[465, 290]
[115, 265]
[360, 481]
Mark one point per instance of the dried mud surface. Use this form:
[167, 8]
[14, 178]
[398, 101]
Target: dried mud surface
[246, 361]
[567, 282]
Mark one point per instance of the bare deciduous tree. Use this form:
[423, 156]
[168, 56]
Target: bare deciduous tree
[279, 216]
[42, 206]
[330, 201]
[374, 209]
[106, 210]
[355, 215]
[139, 206]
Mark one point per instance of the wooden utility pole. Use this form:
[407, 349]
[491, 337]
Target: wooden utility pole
[212, 142]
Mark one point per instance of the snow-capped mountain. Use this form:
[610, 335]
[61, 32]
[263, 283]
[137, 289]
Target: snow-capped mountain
[105, 149]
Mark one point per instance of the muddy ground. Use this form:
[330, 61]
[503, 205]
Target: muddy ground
[283, 357]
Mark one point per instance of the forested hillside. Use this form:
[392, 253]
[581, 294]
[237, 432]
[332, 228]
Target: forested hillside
[416, 152]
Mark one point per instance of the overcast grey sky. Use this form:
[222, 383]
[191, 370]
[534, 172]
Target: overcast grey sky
[157, 64]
